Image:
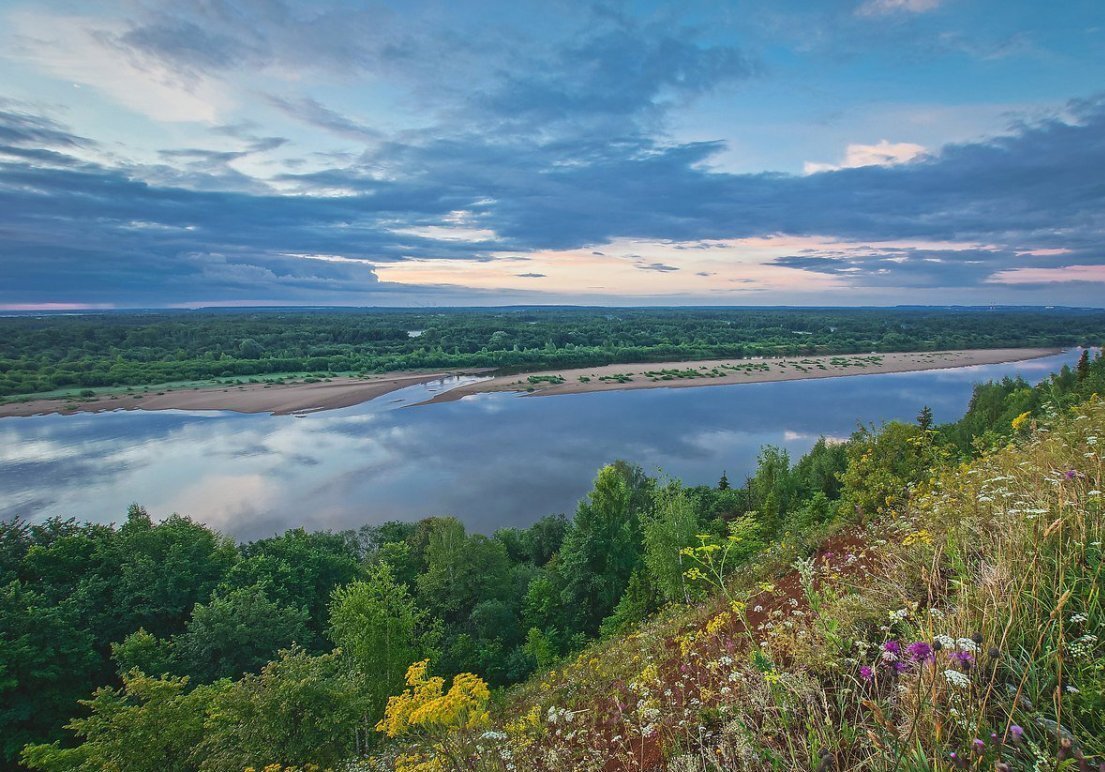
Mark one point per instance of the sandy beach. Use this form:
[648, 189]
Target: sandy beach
[279, 399]
[283, 399]
[716, 372]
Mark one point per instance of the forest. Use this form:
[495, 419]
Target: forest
[41, 353]
[165, 645]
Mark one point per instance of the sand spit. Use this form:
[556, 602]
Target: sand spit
[717, 372]
[300, 397]
[279, 399]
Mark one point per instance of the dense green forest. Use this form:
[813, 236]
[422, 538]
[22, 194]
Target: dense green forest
[49, 352]
[213, 655]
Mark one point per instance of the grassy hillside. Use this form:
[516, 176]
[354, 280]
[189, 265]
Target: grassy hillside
[959, 629]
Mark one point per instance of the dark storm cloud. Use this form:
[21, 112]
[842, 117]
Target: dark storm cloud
[112, 236]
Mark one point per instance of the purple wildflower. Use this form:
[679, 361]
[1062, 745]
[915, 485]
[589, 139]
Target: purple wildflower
[1071, 474]
[964, 658]
[1017, 732]
[979, 745]
[866, 673]
[919, 651]
[892, 647]
[900, 667]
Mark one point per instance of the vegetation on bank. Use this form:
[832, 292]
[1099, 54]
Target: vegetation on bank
[916, 592]
[47, 353]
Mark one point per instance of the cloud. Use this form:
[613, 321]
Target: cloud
[883, 153]
[20, 127]
[530, 275]
[1044, 276]
[658, 267]
[87, 51]
[314, 113]
[560, 151]
[883, 7]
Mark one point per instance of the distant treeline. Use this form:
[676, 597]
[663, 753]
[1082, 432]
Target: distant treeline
[287, 648]
[45, 353]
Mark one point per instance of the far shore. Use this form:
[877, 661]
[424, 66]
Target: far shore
[275, 398]
[338, 392]
[717, 372]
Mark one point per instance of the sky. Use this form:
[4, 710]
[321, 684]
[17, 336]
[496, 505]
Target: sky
[160, 153]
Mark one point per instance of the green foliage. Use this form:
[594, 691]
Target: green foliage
[298, 569]
[376, 625]
[604, 545]
[46, 662]
[147, 725]
[299, 710]
[637, 602]
[671, 525]
[237, 632]
[461, 570]
[883, 466]
[47, 353]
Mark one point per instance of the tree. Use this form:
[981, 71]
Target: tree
[237, 632]
[46, 661]
[924, 418]
[638, 601]
[668, 528]
[604, 544]
[883, 465]
[376, 625]
[772, 486]
[298, 710]
[147, 725]
[299, 569]
[461, 571]
[723, 483]
[1083, 368]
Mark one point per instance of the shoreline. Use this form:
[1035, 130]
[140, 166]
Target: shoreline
[722, 372]
[340, 392]
[274, 398]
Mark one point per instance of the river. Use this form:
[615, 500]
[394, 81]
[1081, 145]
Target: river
[492, 460]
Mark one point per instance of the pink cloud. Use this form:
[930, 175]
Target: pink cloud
[1064, 274]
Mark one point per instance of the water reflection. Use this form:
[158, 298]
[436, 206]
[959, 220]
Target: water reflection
[492, 459]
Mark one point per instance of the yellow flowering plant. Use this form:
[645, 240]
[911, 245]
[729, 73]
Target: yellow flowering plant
[444, 719]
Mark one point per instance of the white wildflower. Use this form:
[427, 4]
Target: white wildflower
[957, 679]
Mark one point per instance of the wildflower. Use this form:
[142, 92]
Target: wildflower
[866, 673]
[919, 651]
[979, 745]
[1016, 731]
[967, 644]
[957, 679]
[994, 652]
[1071, 474]
[963, 658]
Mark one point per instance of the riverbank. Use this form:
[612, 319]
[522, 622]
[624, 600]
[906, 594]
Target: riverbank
[276, 398]
[718, 372]
[338, 392]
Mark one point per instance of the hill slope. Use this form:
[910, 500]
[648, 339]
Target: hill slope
[961, 629]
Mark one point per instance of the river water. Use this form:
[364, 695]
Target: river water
[492, 460]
